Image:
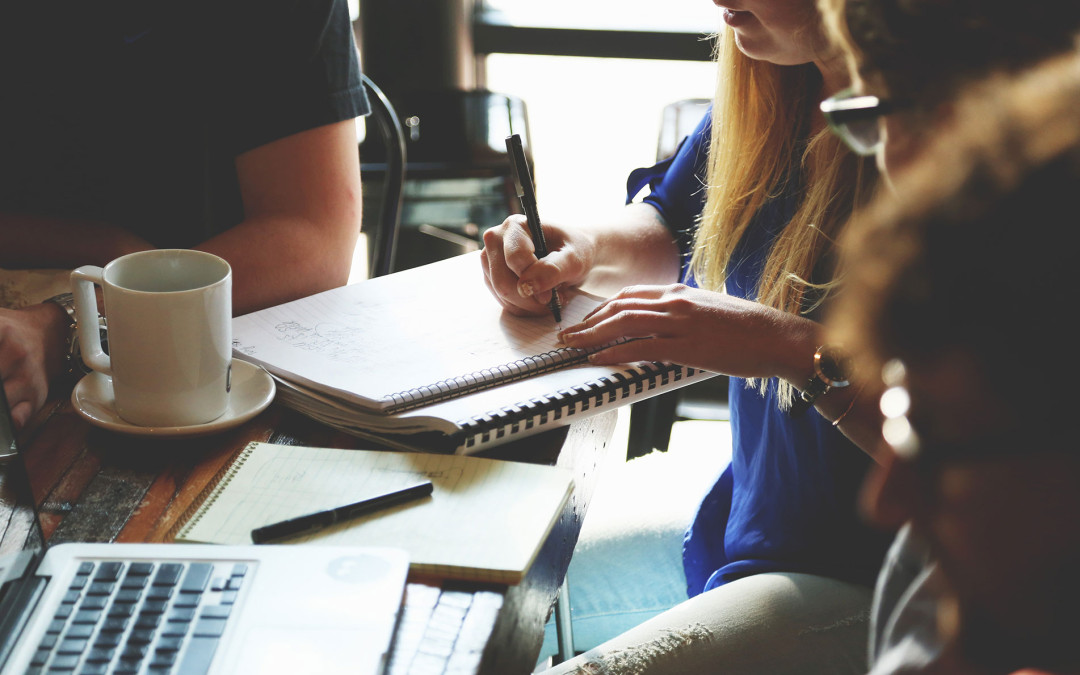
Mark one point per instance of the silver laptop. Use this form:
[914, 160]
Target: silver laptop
[151, 609]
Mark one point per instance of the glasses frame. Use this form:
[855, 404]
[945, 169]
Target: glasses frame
[846, 107]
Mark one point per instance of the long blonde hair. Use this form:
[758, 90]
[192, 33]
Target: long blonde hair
[761, 139]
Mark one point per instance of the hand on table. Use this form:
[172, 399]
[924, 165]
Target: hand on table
[694, 327]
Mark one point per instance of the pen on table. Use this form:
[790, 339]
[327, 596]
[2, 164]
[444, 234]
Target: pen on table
[523, 185]
[323, 519]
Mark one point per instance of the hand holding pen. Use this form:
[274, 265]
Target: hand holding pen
[526, 193]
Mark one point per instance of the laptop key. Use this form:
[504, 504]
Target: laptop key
[94, 602]
[128, 595]
[215, 611]
[100, 655]
[159, 593]
[107, 640]
[109, 571]
[79, 631]
[40, 657]
[197, 576]
[64, 662]
[71, 647]
[168, 574]
[175, 629]
[101, 588]
[141, 637]
[209, 627]
[169, 644]
[199, 654]
[87, 616]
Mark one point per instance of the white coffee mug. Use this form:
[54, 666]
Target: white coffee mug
[169, 316]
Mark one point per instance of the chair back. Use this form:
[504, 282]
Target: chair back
[383, 243]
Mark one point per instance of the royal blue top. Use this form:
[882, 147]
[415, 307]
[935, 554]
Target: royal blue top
[787, 501]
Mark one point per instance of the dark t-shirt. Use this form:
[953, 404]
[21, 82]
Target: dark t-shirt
[132, 113]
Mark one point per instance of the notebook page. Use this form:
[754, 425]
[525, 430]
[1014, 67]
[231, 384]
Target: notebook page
[397, 333]
[485, 520]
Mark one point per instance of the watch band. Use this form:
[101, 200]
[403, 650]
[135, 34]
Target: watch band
[829, 372]
[74, 366]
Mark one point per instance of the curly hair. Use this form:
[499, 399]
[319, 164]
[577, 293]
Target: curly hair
[973, 256]
[923, 51]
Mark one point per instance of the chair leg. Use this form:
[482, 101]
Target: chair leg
[564, 631]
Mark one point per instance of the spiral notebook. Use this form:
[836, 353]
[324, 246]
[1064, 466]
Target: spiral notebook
[427, 359]
[485, 520]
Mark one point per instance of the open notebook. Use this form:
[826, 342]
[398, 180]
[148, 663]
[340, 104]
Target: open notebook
[427, 359]
[485, 520]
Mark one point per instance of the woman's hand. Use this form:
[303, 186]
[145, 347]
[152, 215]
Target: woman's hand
[519, 281]
[697, 328]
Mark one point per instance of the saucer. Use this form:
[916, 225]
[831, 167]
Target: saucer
[252, 390]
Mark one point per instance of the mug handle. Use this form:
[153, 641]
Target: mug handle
[82, 288]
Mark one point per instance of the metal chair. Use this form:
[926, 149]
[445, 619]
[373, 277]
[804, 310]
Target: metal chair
[383, 242]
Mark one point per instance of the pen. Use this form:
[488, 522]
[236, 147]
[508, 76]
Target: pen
[323, 519]
[523, 185]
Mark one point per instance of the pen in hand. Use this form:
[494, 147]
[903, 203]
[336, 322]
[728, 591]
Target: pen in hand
[523, 185]
[323, 519]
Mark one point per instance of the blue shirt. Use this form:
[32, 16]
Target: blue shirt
[787, 501]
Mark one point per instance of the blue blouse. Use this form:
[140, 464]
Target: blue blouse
[787, 501]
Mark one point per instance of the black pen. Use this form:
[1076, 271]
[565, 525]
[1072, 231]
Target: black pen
[523, 185]
[324, 519]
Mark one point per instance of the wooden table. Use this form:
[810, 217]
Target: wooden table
[94, 485]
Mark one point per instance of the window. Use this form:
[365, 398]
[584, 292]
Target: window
[594, 119]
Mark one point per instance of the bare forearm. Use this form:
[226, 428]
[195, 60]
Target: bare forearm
[29, 241]
[279, 258]
[633, 248]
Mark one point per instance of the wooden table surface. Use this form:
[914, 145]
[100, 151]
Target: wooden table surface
[93, 485]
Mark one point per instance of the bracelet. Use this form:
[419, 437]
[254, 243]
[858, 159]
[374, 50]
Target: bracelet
[855, 397]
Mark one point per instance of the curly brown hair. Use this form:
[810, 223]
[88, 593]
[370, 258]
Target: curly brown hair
[975, 255]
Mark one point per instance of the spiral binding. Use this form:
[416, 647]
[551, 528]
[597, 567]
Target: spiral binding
[209, 494]
[569, 402]
[486, 378]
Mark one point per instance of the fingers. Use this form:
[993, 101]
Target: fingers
[520, 282]
[23, 397]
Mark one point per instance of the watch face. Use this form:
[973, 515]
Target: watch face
[832, 366]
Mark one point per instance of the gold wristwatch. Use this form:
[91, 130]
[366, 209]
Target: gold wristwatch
[831, 369]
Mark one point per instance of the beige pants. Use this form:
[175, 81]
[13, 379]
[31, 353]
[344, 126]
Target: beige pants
[766, 624]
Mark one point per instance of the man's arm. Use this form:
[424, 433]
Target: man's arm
[302, 206]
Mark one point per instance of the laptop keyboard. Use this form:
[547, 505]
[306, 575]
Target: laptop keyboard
[140, 618]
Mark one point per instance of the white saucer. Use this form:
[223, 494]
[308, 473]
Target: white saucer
[252, 390]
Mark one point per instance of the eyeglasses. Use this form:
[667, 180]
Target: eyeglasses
[854, 118]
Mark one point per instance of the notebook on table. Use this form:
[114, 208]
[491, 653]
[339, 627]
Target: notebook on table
[427, 359]
[153, 609]
[485, 520]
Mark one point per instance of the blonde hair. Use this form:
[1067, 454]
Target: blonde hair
[761, 141]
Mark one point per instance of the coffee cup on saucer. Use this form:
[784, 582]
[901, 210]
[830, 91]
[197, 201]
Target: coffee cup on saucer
[169, 316]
